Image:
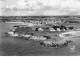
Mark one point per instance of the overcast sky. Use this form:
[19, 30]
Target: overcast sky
[39, 7]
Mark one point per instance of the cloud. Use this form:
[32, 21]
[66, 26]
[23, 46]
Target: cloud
[40, 7]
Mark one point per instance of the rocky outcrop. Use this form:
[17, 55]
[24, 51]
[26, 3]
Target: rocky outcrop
[33, 33]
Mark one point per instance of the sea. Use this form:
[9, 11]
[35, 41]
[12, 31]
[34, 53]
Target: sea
[10, 46]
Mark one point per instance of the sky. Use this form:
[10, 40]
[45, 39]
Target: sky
[39, 7]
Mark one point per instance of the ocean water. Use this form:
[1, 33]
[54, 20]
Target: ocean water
[21, 47]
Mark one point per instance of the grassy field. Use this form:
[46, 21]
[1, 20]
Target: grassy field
[21, 47]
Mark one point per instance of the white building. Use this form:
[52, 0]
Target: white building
[40, 29]
[52, 29]
[58, 29]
